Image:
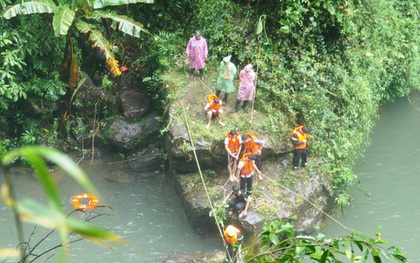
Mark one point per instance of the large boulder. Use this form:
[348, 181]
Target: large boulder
[304, 205]
[210, 153]
[121, 133]
[146, 162]
[134, 104]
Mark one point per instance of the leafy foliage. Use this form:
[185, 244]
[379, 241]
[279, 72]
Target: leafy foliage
[320, 64]
[71, 14]
[279, 243]
[33, 51]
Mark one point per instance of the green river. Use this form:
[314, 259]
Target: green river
[389, 174]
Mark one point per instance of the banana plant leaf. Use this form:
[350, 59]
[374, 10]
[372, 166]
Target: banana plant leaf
[62, 20]
[125, 24]
[104, 3]
[99, 41]
[27, 8]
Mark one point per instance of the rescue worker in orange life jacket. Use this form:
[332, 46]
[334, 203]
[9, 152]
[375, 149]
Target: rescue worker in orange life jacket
[214, 108]
[254, 145]
[233, 240]
[299, 139]
[233, 146]
[246, 167]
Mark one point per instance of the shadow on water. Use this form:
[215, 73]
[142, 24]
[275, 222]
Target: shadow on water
[147, 213]
[390, 173]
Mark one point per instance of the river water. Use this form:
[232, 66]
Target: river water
[147, 213]
[389, 175]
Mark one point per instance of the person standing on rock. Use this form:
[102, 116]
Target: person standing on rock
[245, 172]
[227, 71]
[197, 53]
[299, 139]
[233, 146]
[233, 240]
[254, 145]
[246, 88]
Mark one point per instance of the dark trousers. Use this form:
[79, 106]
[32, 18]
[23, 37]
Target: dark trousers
[298, 155]
[246, 182]
[224, 98]
[231, 253]
[192, 70]
[236, 206]
[238, 103]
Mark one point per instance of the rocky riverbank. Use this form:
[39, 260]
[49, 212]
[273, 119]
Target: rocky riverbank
[192, 151]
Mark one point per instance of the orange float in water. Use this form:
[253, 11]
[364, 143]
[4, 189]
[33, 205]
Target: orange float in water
[93, 201]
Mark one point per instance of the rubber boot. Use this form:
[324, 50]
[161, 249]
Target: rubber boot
[192, 72]
[225, 99]
[218, 93]
[236, 109]
[201, 73]
[245, 106]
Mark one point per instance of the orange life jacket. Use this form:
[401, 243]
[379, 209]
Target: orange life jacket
[248, 167]
[251, 146]
[234, 238]
[233, 143]
[214, 106]
[300, 137]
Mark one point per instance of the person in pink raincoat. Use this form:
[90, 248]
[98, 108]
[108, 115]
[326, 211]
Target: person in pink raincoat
[246, 88]
[197, 53]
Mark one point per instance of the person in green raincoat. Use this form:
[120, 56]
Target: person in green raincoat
[227, 71]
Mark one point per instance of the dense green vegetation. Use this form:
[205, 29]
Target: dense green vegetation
[41, 62]
[327, 64]
[279, 243]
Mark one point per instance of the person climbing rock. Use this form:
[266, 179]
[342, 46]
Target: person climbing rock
[239, 204]
[233, 240]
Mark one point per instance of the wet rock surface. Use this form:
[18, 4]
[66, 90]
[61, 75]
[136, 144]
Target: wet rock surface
[198, 257]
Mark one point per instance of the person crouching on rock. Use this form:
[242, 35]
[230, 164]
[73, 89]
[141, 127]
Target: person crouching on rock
[214, 108]
[239, 204]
